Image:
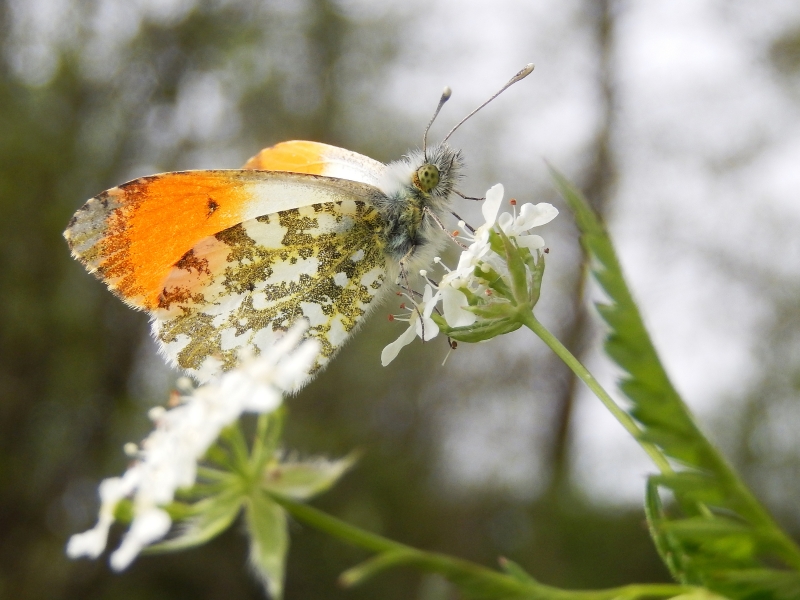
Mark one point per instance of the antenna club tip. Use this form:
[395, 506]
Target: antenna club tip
[526, 70]
[446, 93]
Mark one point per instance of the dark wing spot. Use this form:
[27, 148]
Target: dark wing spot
[189, 261]
[212, 206]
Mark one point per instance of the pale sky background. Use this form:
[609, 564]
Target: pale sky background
[706, 139]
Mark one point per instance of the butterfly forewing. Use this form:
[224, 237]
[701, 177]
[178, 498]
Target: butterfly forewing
[245, 285]
[133, 235]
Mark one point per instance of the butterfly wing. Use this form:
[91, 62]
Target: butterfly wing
[229, 259]
[319, 159]
[245, 285]
[132, 236]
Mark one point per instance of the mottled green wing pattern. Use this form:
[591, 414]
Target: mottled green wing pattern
[246, 285]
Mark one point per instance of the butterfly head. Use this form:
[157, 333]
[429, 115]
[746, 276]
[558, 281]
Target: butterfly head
[429, 176]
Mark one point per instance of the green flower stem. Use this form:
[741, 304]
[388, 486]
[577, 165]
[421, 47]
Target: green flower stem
[573, 363]
[472, 577]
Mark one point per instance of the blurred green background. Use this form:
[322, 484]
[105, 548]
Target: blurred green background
[486, 456]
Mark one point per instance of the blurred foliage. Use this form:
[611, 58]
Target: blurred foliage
[785, 52]
[69, 349]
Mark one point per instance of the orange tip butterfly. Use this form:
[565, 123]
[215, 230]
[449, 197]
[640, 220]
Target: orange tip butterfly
[226, 260]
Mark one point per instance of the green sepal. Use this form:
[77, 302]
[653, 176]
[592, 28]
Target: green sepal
[269, 428]
[494, 310]
[480, 331]
[472, 298]
[496, 243]
[303, 480]
[269, 540]
[536, 270]
[495, 282]
[516, 268]
[216, 455]
[211, 517]
[178, 511]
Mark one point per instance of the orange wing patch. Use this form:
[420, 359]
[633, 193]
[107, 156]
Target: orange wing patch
[294, 157]
[133, 235]
[319, 159]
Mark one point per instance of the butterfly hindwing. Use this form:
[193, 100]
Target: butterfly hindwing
[245, 285]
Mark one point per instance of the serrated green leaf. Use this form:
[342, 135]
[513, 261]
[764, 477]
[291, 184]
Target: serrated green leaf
[709, 483]
[670, 550]
[700, 487]
[656, 403]
[211, 517]
[269, 540]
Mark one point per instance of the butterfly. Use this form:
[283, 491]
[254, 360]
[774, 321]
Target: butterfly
[226, 260]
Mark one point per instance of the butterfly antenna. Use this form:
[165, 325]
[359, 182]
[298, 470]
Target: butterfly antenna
[527, 70]
[446, 93]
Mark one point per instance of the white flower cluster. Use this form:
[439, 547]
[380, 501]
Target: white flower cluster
[167, 459]
[478, 254]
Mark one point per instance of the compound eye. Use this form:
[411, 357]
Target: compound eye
[427, 177]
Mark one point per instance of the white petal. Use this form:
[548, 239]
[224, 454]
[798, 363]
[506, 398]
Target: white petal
[263, 399]
[426, 328]
[147, 527]
[505, 221]
[430, 304]
[465, 263]
[90, 543]
[391, 351]
[427, 294]
[533, 215]
[454, 314]
[492, 203]
[531, 242]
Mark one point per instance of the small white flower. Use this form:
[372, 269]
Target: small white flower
[480, 254]
[419, 324]
[530, 215]
[168, 457]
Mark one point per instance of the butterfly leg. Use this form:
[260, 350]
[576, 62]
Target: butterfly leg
[428, 212]
[403, 276]
[465, 197]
